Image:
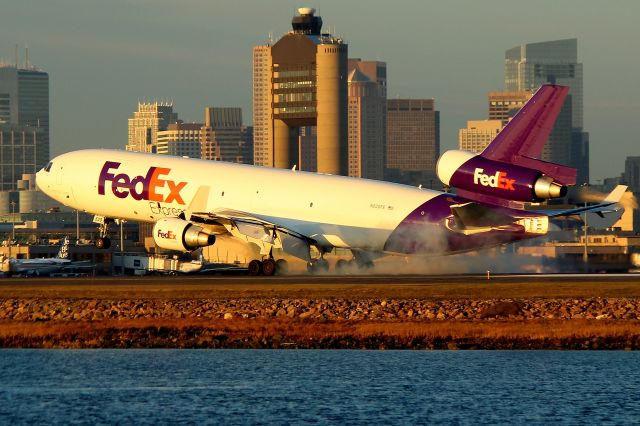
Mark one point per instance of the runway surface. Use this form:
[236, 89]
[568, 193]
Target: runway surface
[353, 287]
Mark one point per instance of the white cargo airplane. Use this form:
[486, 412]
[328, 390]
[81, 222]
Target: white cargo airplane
[189, 201]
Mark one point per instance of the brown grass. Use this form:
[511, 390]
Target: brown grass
[311, 329]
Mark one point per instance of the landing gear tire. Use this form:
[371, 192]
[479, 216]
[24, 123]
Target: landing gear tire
[342, 266]
[282, 267]
[366, 266]
[269, 267]
[103, 243]
[317, 266]
[255, 268]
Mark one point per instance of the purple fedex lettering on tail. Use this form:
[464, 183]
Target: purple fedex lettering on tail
[140, 187]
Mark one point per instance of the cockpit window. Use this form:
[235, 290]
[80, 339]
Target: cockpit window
[47, 168]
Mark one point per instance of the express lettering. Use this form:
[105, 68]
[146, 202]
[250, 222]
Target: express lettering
[148, 187]
[499, 180]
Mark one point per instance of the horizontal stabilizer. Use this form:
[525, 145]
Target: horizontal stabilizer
[608, 205]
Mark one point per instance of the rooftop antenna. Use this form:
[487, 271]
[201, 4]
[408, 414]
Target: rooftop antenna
[26, 56]
[17, 58]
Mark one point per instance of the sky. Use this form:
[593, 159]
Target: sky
[105, 56]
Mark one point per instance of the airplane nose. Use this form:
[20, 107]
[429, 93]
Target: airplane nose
[49, 181]
[40, 184]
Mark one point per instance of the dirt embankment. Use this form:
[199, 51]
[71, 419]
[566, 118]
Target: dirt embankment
[272, 322]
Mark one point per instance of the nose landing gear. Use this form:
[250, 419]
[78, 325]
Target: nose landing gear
[103, 241]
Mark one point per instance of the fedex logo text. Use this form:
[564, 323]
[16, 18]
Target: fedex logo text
[499, 180]
[141, 187]
[169, 235]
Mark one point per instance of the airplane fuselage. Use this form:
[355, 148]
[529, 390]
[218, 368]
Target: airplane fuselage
[335, 211]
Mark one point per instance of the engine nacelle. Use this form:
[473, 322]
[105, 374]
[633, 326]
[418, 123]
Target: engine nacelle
[180, 235]
[472, 172]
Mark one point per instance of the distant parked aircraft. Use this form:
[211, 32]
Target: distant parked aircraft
[190, 201]
[44, 265]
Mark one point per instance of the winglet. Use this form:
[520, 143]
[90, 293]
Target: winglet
[616, 195]
[198, 202]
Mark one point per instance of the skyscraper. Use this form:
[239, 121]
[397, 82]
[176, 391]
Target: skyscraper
[527, 67]
[24, 122]
[504, 105]
[222, 137]
[632, 173]
[367, 118]
[145, 124]
[23, 150]
[413, 141]
[301, 81]
[180, 139]
[478, 134]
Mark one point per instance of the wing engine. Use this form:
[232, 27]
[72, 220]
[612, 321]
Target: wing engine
[180, 235]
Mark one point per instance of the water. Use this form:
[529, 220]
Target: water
[316, 386]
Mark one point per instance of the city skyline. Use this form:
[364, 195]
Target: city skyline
[204, 57]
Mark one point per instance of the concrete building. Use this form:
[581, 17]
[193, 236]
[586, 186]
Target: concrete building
[367, 115]
[180, 139]
[611, 252]
[145, 124]
[478, 134]
[632, 173]
[24, 97]
[246, 144]
[223, 135]
[413, 141]
[23, 150]
[301, 81]
[504, 105]
[527, 66]
[308, 148]
[24, 122]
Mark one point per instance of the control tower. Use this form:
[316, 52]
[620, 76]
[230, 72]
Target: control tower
[299, 81]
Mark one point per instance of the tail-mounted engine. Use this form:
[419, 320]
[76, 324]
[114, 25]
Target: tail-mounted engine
[471, 172]
[180, 235]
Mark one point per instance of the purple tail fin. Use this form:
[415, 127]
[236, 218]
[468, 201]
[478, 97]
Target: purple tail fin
[522, 139]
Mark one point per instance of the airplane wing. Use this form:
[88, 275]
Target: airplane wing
[249, 227]
[255, 229]
[608, 205]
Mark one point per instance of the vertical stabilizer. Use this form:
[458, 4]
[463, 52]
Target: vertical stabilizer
[522, 139]
[63, 253]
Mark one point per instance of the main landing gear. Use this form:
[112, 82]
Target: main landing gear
[268, 267]
[318, 266]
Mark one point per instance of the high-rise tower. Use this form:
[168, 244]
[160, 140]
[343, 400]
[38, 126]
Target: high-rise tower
[527, 67]
[413, 141]
[301, 81]
[367, 118]
[24, 122]
[145, 124]
[222, 136]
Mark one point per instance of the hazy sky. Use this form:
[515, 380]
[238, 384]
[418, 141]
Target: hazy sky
[104, 56]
